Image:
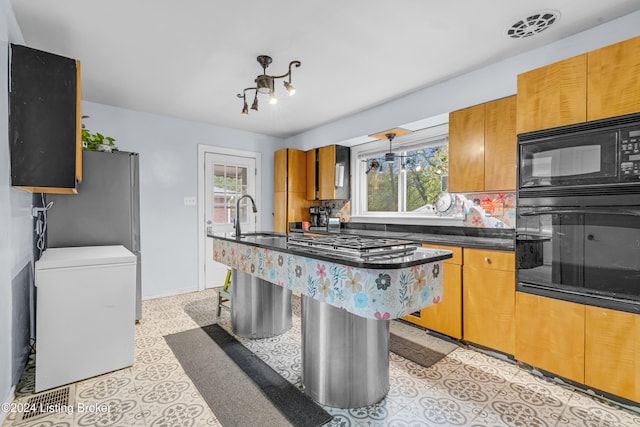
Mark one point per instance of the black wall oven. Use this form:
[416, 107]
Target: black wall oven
[578, 224]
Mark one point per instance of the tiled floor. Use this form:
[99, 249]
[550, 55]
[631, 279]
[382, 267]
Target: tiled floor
[466, 388]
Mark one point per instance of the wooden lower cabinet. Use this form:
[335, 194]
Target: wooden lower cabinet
[489, 299]
[612, 352]
[446, 316]
[550, 335]
[594, 346]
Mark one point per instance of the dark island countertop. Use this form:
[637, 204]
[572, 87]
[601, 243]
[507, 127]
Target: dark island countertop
[374, 289]
[278, 242]
[493, 239]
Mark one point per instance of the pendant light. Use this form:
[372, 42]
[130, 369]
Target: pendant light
[376, 164]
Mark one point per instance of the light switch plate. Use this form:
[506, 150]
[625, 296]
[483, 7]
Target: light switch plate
[189, 201]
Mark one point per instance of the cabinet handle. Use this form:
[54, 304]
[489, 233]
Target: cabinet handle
[487, 260]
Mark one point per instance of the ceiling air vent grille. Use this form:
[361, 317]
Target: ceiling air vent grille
[533, 24]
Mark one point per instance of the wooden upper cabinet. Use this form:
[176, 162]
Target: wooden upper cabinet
[613, 73]
[328, 186]
[289, 170]
[553, 95]
[280, 171]
[45, 121]
[482, 147]
[311, 174]
[466, 149]
[612, 352]
[290, 186]
[326, 172]
[596, 85]
[297, 171]
[500, 145]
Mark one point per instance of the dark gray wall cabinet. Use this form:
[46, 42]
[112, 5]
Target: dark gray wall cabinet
[44, 121]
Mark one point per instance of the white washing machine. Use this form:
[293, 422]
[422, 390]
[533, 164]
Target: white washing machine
[85, 313]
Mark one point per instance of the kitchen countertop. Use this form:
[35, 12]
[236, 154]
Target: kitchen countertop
[375, 289]
[277, 241]
[503, 241]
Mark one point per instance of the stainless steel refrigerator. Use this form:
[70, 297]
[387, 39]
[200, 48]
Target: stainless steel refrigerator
[106, 210]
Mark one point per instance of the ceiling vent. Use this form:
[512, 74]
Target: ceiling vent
[533, 24]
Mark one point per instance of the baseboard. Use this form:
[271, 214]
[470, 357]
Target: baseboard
[10, 397]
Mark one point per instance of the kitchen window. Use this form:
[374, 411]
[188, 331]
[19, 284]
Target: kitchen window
[406, 186]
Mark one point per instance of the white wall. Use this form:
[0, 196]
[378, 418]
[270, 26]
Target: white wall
[168, 150]
[482, 85]
[15, 234]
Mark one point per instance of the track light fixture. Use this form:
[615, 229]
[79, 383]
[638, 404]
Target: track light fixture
[265, 84]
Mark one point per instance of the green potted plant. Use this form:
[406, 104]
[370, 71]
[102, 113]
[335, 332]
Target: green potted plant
[96, 141]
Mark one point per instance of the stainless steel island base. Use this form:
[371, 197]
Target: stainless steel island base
[259, 309]
[345, 358]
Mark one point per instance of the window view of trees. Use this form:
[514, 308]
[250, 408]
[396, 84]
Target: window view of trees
[418, 185]
[424, 180]
[382, 188]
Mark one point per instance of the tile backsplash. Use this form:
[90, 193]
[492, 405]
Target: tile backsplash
[482, 210]
[339, 208]
[488, 210]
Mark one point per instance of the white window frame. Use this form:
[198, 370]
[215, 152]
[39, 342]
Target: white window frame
[402, 144]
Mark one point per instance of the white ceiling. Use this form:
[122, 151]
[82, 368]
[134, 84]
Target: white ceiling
[189, 59]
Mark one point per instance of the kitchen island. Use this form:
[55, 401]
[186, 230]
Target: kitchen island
[346, 307]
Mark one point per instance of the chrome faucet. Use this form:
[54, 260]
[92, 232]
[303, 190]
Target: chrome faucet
[237, 224]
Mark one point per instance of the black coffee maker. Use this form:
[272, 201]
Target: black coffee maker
[319, 217]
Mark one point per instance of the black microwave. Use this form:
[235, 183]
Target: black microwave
[571, 165]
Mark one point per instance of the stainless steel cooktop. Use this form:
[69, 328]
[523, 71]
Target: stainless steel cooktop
[353, 247]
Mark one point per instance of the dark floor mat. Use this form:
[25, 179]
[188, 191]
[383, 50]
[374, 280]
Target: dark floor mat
[415, 352]
[238, 386]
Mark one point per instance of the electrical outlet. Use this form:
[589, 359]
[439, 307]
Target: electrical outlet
[189, 201]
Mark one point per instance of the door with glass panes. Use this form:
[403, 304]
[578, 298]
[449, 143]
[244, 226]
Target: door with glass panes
[227, 178]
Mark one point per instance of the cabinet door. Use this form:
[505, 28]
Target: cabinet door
[612, 80]
[326, 172]
[489, 299]
[550, 335]
[446, 316]
[500, 145]
[297, 207]
[280, 212]
[466, 149]
[311, 174]
[44, 121]
[297, 171]
[280, 171]
[612, 352]
[554, 95]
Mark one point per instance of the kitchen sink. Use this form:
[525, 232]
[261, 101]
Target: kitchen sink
[265, 238]
[262, 235]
